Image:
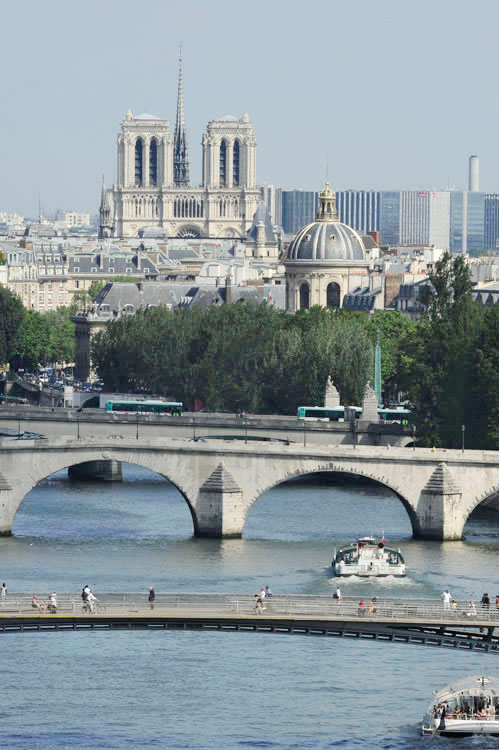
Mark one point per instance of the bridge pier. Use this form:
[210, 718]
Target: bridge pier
[439, 515]
[219, 510]
[100, 471]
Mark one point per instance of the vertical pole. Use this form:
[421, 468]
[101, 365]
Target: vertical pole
[463, 427]
[78, 427]
[304, 434]
[137, 430]
[414, 438]
[246, 430]
[19, 427]
[194, 436]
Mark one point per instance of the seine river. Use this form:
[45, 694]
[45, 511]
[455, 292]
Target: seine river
[223, 691]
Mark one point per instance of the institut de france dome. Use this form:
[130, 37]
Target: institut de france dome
[325, 260]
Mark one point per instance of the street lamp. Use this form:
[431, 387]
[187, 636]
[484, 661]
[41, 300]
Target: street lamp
[463, 427]
[137, 430]
[304, 434]
[78, 427]
[245, 429]
[414, 437]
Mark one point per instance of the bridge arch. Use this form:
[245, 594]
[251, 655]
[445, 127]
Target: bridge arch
[488, 494]
[377, 480]
[57, 461]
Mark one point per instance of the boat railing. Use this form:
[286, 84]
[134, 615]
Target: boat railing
[291, 605]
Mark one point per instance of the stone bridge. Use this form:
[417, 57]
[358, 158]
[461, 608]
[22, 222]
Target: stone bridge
[221, 480]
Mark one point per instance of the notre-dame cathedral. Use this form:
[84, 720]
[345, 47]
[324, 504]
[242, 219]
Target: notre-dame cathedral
[153, 188]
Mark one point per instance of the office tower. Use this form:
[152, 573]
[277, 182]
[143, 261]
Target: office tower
[299, 208]
[474, 177]
[359, 209]
[491, 222]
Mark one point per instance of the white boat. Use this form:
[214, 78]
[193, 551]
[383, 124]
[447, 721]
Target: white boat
[466, 707]
[368, 558]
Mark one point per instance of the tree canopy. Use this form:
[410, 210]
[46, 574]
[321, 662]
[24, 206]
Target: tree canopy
[11, 316]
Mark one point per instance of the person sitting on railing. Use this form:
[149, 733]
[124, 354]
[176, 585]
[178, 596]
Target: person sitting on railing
[362, 608]
[472, 610]
[259, 604]
[34, 602]
[52, 605]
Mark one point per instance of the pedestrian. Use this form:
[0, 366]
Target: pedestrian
[388, 446]
[3, 592]
[362, 608]
[268, 592]
[259, 604]
[497, 601]
[52, 605]
[446, 598]
[152, 596]
[337, 594]
[485, 601]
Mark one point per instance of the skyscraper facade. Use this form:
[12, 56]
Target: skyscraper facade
[359, 209]
[491, 222]
[299, 208]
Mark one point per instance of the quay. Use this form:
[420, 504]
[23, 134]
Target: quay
[423, 622]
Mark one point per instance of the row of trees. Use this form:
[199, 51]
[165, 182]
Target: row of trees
[29, 339]
[243, 356]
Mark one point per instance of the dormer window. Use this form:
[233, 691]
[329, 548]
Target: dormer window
[332, 237]
[308, 237]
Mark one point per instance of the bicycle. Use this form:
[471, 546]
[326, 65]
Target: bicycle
[98, 609]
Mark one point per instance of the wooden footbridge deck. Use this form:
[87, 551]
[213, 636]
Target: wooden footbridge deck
[419, 621]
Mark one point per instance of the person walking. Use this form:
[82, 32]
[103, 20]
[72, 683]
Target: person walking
[337, 594]
[152, 596]
[3, 592]
[485, 602]
[446, 598]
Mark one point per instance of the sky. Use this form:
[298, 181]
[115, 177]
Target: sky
[383, 95]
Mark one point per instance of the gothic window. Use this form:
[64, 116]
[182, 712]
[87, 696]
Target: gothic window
[333, 295]
[223, 164]
[138, 162]
[235, 164]
[153, 163]
[304, 297]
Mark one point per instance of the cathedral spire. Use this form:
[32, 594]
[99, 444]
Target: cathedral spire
[105, 222]
[180, 155]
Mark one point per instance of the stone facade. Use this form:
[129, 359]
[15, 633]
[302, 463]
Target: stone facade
[153, 178]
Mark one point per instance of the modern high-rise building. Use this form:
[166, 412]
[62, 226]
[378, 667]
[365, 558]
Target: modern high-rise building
[491, 222]
[389, 217]
[272, 197]
[299, 208]
[359, 209]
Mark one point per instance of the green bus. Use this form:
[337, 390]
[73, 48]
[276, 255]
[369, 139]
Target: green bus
[337, 414]
[151, 406]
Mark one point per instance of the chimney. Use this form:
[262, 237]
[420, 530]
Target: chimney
[139, 260]
[474, 174]
[228, 290]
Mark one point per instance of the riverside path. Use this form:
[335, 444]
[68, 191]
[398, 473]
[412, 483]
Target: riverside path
[221, 480]
[420, 621]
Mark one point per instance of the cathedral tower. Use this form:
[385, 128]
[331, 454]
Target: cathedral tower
[180, 151]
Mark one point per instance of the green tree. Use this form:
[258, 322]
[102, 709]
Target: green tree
[392, 327]
[61, 342]
[482, 415]
[11, 316]
[33, 341]
[96, 287]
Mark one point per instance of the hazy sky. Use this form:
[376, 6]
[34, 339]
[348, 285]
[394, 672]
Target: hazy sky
[397, 93]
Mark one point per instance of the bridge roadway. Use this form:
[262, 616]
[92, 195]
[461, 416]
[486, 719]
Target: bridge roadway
[221, 480]
[61, 422]
[418, 622]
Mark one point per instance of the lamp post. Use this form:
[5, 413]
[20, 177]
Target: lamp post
[414, 437]
[304, 434]
[77, 428]
[137, 430]
[463, 427]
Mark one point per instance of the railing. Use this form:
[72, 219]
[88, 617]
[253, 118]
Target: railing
[295, 606]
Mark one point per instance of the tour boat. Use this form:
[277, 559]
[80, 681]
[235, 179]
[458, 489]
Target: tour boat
[368, 558]
[466, 707]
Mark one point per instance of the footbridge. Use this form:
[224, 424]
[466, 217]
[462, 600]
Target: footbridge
[221, 480]
[417, 622]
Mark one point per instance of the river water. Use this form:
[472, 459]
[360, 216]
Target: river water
[224, 691]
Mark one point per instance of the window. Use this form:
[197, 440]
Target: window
[153, 162]
[129, 270]
[235, 164]
[304, 297]
[146, 269]
[94, 270]
[223, 164]
[138, 162]
[111, 270]
[333, 295]
[76, 269]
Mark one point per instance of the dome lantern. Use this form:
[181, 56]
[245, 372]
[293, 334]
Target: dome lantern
[327, 205]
